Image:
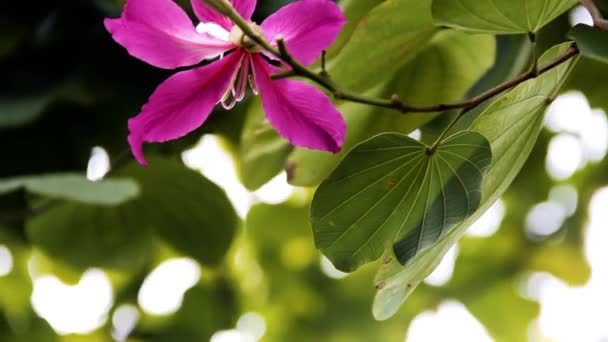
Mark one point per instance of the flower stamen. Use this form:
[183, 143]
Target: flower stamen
[239, 38]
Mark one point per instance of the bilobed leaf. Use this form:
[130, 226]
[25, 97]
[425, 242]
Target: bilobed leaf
[389, 191]
[74, 187]
[454, 59]
[263, 151]
[401, 27]
[592, 42]
[511, 124]
[498, 16]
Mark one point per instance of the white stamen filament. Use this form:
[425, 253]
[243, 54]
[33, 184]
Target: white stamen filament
[239, 89]
[253, 84]
[238, 85]
[244, 74]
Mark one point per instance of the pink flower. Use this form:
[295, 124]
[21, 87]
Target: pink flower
[161, 34]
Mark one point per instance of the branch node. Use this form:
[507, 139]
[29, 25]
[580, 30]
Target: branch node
[534, 68]
[323, 72]
[282, 48]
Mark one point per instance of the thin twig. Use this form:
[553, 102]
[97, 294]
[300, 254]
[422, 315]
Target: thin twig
[532, 73]
[394, 102]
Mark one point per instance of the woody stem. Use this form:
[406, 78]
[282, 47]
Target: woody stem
[322, 79]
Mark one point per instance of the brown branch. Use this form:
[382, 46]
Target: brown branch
[393, 102]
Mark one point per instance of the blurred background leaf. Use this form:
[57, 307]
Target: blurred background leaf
[67, 87]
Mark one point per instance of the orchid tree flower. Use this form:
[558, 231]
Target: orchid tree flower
[160, 33]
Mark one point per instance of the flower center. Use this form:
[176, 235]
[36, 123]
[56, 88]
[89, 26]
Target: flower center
[238, 37]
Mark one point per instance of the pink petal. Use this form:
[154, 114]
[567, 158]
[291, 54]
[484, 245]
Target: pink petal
[308, 27]
[160, 33]
[182, 103]
[206, 14]
[244, 7]
[298, 111]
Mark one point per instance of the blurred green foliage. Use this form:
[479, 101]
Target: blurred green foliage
[67, 87]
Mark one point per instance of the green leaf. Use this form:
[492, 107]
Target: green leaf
[565, 262]
[281, 234]
[263, 151]
[16, 286]
[206, 309]
[390, 191]
[452, 58]
[588, 78]
[183, 207]
[84, 235]
[498, 16]
[74, 187]
[592, 42]
[308, 168]
[512, 57]
[484, 276]
[504, 298]
[186, 209]
[511, 124]
[356, 12]
[401, 27]
[20, 110]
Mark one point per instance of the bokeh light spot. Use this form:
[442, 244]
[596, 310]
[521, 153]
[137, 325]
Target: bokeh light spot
[544, 219]
[214, 161]
[565, 156]
[124, 320]
[330, 270]
[79, 308]
[253, 325]
[489, 222]
[276, 191]
[580, 15]
[6, 261]
[443, 273]
[163, 289]
[566, 196]
[98, 165]
[451, 322]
